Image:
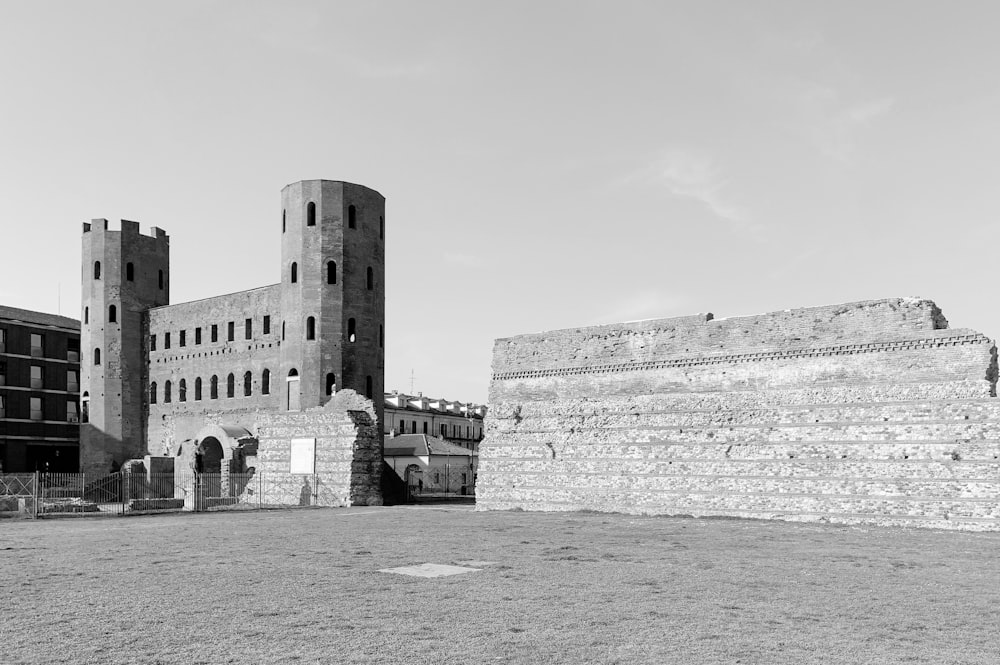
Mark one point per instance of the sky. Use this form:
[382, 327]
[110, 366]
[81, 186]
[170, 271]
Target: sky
[546, 164]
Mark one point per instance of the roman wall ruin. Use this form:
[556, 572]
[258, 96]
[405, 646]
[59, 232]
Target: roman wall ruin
[867, 412]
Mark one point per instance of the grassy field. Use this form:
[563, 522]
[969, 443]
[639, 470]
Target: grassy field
[304, 587]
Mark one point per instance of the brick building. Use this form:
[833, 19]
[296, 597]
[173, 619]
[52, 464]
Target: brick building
[154, 373]
[39, 391]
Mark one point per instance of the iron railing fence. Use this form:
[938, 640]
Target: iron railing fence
[63, 494]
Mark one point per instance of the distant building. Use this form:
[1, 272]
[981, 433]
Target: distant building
[39, 392]
[431, 465]
[460, 423]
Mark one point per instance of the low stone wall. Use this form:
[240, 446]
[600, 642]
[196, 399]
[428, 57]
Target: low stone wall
[868, 412]
[348, 458]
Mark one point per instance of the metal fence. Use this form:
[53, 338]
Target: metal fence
[74, 494]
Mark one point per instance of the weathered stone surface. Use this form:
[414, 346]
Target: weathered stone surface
[864, 412]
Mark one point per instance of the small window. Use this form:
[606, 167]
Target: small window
[331, 383]
[159, 278]
[97, 269]
[112, 314]
[197, 336]
[152, 392]
[249, 329]
[215, 332]
[166, 393]
[371, 278]
[85, 407]
[166, 340]
[182, 391]
[267, 324]
[265, 382]
[311, 328]
[213, 388]
[295, 272]
[3, 407]
[232, 331]
[381, 227]
[381, 336]
[130, 272]
[247, 384]
[86, 315]
[282, 221]
[282, 331]
[197, 389]
[36, 377]
[72, 381]
[331, 272]
[444, 430]
[72, 416]
[351, 330]
[72, 350]
[36, 408]
[352, 217]
[3, 340]
[368, 394]
[183, 338]
[37, 345]
[425, 427]
[3, 372]
[231, 386]
[311, 214]
[152, 342]
[97, 356]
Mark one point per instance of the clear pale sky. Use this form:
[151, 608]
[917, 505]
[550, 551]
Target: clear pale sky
[545, 164]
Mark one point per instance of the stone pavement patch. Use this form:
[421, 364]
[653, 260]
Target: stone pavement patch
[429, 570]
[476, 564]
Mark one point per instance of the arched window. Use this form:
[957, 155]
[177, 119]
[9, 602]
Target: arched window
[351, 330]
[86, 315]
[247, 384]
[97, 269]
[311, 328]
[282, 221]
[230, 386]
[368, 394]
[213, 387]
[197, 389]
[371, 278]
[112, 314]
[152, 392]
[293, 372]
[331, 272]
[265, 382]
[352, 216]
[381, 339]
[159, 277]
[130, 272]
[85, 407]
[182, 391]
[166, 392]
[311, 214]
[331, 383]
[381, 227]
[97, 356]
[295, 272]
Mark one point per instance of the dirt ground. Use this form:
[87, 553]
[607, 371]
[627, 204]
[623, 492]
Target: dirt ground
[305, 586]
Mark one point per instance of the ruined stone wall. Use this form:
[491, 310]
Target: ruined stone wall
[864, 412]
[348, 453]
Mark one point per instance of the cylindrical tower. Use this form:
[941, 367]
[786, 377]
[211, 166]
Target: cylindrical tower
[332, 292]
[124, 273]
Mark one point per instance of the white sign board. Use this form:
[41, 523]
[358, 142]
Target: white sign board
[303, 456]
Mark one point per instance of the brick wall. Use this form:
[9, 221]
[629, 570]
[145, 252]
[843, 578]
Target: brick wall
[864, 412]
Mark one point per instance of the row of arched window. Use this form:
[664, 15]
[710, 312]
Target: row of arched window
[129, 273]
[213, 387]
[352, 218]
[331, 274]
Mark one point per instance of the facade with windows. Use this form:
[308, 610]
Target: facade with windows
[39, 392]
[460, 423]
[156, 373]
